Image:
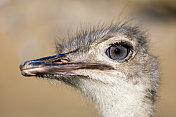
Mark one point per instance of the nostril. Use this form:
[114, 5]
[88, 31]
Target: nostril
[58, 60]
[64, 60]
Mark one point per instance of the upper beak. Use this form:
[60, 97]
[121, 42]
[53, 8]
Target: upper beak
[57, 64]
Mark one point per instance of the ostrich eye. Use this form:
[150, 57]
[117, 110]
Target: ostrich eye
[118, 51]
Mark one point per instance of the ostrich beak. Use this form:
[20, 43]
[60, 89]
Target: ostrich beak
[57, 64]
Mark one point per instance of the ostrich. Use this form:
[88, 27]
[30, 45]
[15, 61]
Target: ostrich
[110, 65]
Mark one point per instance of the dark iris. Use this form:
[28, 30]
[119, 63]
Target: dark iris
[118, 52]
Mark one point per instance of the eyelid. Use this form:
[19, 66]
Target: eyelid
[123, 43]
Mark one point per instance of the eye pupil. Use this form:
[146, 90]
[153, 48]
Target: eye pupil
[118, 52]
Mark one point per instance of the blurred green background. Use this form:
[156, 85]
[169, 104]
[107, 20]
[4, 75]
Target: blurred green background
[28, 29]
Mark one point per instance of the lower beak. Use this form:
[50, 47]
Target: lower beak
[57, 64]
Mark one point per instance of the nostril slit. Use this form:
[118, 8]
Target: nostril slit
[58, 60]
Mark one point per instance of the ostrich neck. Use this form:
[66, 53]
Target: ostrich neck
[120, 100]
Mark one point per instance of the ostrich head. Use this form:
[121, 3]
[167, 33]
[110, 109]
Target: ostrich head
[111, 66]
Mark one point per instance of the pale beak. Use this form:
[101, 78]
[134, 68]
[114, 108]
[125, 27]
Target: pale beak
[57, 64]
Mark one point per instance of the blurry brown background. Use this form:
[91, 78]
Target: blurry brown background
[28, 29]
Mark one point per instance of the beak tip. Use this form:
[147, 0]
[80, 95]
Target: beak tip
[25, 72]
[21, 67]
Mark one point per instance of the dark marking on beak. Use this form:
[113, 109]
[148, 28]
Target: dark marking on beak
[57, 64]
